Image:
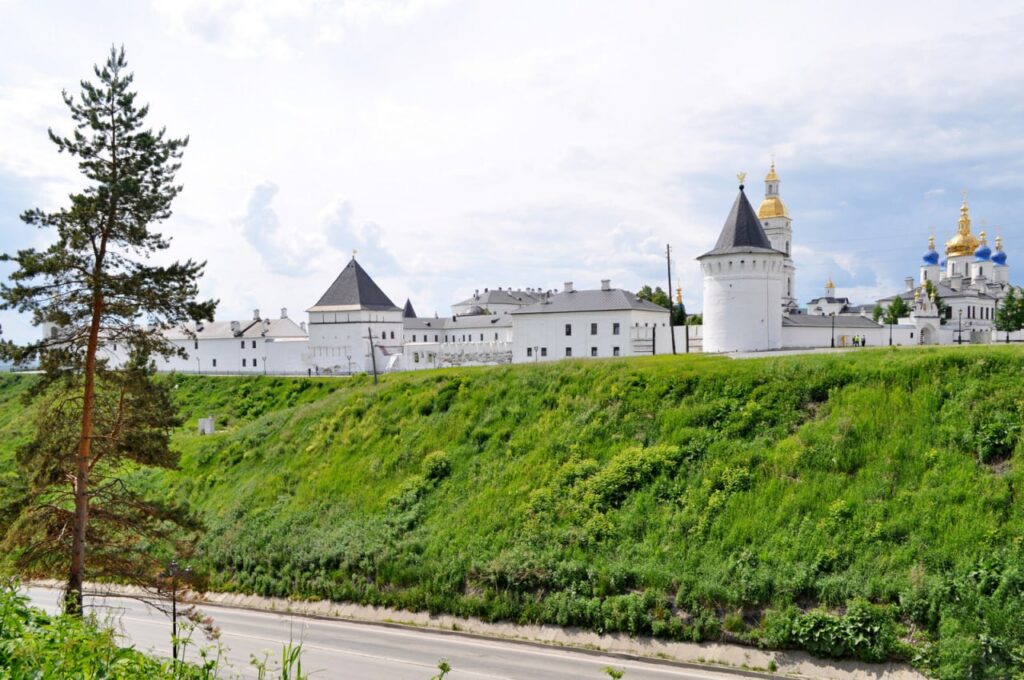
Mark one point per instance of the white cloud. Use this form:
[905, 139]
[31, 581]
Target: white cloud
[532, 143]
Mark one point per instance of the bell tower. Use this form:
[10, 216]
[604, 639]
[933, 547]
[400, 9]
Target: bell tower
[778, 226]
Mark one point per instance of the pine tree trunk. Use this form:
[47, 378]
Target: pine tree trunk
[76, 577]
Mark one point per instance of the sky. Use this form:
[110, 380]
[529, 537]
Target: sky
[468, 145]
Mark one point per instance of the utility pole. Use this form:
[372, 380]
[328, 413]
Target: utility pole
[668, 263]
[833, 329]
[373, 353]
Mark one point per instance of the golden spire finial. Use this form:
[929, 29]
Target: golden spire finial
[931, 242]
[917, 295]
[829, 284]
[742, 177]
[772, 177]
[679, 295]
[999, 242]
[354, 251]
[981, 236]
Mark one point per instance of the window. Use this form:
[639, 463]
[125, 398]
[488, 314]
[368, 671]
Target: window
[195, 344]
[615, 351]
[392, 335]
[615, 329]
[254, 344]
[481, 337]
[215, 363]
[243, 344]
[495, 337]
[593, 329]
[435, 337]
[414, 337]
[568, 329]
[593, 351]
[243, 363]
[568, 351]
[254, 363]
[543, 351]
[529, 351]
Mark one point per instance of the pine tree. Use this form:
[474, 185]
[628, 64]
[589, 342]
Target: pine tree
[97, 290]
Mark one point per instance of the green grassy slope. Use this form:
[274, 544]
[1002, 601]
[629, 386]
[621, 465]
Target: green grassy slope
[690, 497]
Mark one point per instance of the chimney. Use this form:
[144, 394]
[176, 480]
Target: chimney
[302, 325]
[284, 312]
[909, 282]
[956, 281]
[568, 287]
[256, 315]
[606, 284]
[236, 328]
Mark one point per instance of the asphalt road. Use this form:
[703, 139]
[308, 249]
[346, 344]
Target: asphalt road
[343, 650]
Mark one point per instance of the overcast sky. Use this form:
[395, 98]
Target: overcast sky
[463, 145]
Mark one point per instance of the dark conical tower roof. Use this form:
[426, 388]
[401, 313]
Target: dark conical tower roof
[408, 312]
[742, 232]
[355, 289]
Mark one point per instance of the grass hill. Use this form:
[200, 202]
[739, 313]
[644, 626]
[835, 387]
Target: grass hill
[860, 505]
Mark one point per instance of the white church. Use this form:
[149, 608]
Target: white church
[749, 305]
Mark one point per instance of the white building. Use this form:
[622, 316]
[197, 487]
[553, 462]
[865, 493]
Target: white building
[496, 301]
[249, 346]
[608, 322]
[474, 339]
[743, 284]
[970, 281]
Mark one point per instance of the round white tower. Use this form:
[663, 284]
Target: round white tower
[778, 226]
[743, 285]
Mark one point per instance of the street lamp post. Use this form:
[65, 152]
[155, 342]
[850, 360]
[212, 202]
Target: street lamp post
[833, 315]
[173, 572]
[890, 331]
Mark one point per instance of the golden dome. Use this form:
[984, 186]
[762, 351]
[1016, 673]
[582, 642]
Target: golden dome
[964, 243]
[829, 284]
[772, 206]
